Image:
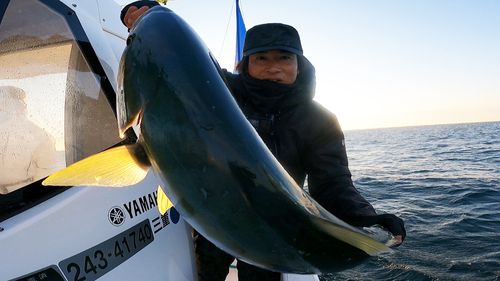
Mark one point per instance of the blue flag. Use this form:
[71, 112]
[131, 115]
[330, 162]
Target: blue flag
[240, 33]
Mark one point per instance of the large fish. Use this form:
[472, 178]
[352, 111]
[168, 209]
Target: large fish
[212, 164]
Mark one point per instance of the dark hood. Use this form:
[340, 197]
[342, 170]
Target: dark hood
[272, 97]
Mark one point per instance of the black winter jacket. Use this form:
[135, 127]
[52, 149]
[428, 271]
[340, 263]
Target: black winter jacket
[306, 139]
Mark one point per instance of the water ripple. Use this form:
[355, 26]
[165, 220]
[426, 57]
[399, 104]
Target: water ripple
[444, 181]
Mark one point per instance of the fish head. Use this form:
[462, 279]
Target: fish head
[139, 73]
[130, 99]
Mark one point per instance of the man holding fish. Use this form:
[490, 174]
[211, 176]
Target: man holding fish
[275, 89]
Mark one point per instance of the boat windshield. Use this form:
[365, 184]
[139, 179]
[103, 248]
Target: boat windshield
[53, 111]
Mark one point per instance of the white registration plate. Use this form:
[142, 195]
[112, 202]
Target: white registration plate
[100, 259]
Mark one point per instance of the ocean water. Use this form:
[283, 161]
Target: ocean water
[444, 182]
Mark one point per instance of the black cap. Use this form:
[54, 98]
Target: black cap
[272, 36]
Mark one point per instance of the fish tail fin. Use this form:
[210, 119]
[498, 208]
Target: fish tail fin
[115, 167]
[162, 201]
[351, 237]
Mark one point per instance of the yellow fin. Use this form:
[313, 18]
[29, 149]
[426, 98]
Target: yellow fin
[162, 201]
[115, 167]
[351, 237]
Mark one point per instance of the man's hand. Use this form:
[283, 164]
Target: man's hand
[400, 240]
[391, 222]
[132, 11]
[132, 14]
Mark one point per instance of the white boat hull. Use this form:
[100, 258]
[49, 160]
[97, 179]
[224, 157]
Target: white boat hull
[66, 231]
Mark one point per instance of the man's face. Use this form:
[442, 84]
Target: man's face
[274, 65]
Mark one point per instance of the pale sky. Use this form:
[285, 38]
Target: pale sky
[379, 63]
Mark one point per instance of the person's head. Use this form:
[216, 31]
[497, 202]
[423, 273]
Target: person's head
[272, 52]
[12, 99]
